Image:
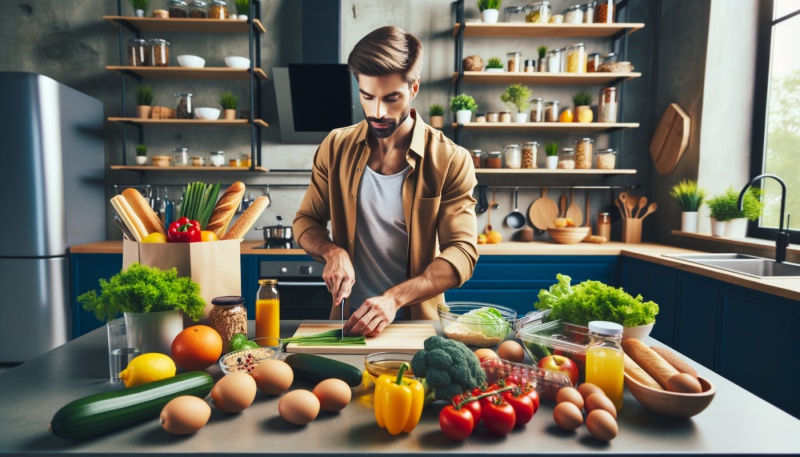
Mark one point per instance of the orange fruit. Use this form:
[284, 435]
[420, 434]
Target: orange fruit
[481, 239]
[494, 237]
[196, 348]
[566, 115]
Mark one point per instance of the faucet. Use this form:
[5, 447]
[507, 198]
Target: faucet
[782, 237]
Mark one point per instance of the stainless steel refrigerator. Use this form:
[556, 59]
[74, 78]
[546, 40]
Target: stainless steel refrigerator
[53, 196]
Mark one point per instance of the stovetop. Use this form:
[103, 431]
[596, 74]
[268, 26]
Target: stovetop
[278, 245]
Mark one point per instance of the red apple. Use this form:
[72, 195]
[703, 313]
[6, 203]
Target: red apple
[562, 364]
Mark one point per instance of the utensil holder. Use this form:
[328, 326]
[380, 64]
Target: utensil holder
[631, 230]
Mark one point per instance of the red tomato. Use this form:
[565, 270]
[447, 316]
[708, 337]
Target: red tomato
[522, 404]
[514, 379]
[473, 407]
[499, 417]
[484, 390]
[531, 392]
[456, 424]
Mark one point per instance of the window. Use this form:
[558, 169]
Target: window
[776, 133]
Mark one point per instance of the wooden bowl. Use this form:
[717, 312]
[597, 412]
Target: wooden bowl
[568, 235]
[672, 404]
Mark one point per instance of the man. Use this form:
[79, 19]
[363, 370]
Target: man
[396, 192]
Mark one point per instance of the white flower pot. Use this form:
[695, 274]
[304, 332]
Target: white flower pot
[494, 70]
[551, 162]
[242, 17]
[158, 329]
[522, 118]
[138, 13]
[437, 122]
[463, 116]
[490, 16]
[689, 221]
[718, 227]
[141, 160]
[736, 228]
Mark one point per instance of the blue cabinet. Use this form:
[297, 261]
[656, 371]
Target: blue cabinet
[85, 272]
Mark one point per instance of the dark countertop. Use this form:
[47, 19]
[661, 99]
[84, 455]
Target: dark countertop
[736, 422]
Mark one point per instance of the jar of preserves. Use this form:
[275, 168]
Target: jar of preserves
[183, 106]
[537, 110]
[566, 159]
[492, 116]
[477, 158]
[159, 52]
[218, 10]
[607, 105]
[268, 320]
[604, 225]
[137, 52]
[554, 57]
[538, 13]
[513, 156]
[606, 159]
[530, 66]
[198, 9]
[588, 13]
[583, 153]
[576, 58]
[177, 8]
[592, 62]
[514, 13]
[604, 11]
[530, 150]
[493, 160]
[216, 158]
[573, 15]
[505, 116]
[605, 360]
[180, 157]
[514, 62]
[551, 111]
[228, 317]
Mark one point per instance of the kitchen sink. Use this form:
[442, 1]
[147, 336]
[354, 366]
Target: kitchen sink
[758, 267]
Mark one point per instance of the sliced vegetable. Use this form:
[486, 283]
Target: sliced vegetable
[327, 338]
[315, 369]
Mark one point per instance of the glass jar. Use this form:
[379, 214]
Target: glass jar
[177, 8]
[551, 111]
[605, 360]
[573, 15]
[554, 57]
[514, 62]
[480, 118]
[505, 116]
[492, 116]
[607, 105]
[556, 19]
[604, 11]
[537, 110]
[268, 318]
[538, 13]
[216, 158]
[514, 14]
[198, 10]
[477, 158]
[576, 58]
[228, 317]
[592, 62]
[180, 157]
[218, 10]
[183, 106]
[234, 162]
[513, 156]
[493, 160]
[137, 52]
[530, 150]
[198, 161]
[583, 153]
[604, 225]
[159, 52]
[530, 66]
[609, 58]
[588, 13]
[566, 159]
[246, 160]
[606, 159]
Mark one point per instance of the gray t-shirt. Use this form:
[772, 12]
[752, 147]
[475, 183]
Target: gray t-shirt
[381, 241]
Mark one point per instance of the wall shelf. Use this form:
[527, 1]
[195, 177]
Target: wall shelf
[547, 171]
[150, 168]
[188, 73]
[528, 30]
[153, 24]
[187, 122]
[549, 126]
[483, 77]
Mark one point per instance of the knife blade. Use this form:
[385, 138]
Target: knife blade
[341, 308]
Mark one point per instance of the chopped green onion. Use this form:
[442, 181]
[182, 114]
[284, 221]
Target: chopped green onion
[327, 338]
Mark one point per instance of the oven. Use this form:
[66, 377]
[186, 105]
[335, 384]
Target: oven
[303, 293]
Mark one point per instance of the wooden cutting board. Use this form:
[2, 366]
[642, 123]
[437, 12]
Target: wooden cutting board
[543, 212]
[670, 139]
[407, 339]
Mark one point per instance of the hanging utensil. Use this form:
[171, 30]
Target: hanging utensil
[515, 219]
[489, 215]
[543, 212]
[562, 205]
[482, 204]
[574, 212]
[642, 206]
[650, 210]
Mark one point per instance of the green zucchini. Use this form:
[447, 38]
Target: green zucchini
[102, 413]
[314, 369]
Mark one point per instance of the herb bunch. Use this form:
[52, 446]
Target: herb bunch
[689, 196]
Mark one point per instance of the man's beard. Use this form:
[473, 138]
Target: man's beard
[392, 124]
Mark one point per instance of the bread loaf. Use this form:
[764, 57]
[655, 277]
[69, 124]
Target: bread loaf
[225, 209]
[652, 363]
[675, 361]
[134, 226]
[636, 372]
[247, 219]
[142, 209]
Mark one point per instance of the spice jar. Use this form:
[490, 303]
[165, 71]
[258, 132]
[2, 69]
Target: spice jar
[180, 157]
[588, 13]
[538, 13]
[159, 52]
[480, 118]
[566, 159]
[198, 9]
[505, 116]
[177, 8]
[576, 58]
[514, 62]
[218, 10]
[607, 105]
[268, 321]
[530, 66]
[606, 159]
[477, 158]
[512, 155]
[551, 111]
[493, 117]
[592, 62]
[530, 150]
[604, 225]
[514, 14]
[537, 110]
[554, 57]
[604, 12]
[228, 317]
[493, 160]
[583, 153]
[573, 15]
[198, 161]
[137, 52]
[183, 106]
[216, 158]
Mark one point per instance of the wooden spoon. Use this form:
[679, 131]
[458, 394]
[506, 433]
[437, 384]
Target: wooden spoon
[623, 199]
[642, 205]
[650, 210]
[489, 214]
[574, 212]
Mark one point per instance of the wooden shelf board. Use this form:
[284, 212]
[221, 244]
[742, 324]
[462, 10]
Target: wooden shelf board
[523, 29]
[593, 126]
[187, 168]
[193, 122]
[154, 24]
[188, 73]
[482, 77]
[546, 171]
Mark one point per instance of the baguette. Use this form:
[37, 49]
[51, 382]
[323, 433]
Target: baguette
[674, 360]
[225, 209]
[125, 218]
[636, 372]
[247, 219]
[652, 363]
[137, 223]
[143, 210]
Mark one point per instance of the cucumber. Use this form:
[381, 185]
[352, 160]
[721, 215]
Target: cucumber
[314, 369]
[102, 413]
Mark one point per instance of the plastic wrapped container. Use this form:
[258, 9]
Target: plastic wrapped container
[556, 338]
[546, 382]
[474, 332]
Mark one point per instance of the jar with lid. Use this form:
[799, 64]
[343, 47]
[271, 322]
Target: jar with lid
[606, 159]
[604, 11]
[566, 159]
[530, 66]
[493, 116]
[514, 62]
[551, 111]
[268, 318]
[554, 57]
[480, 118]
[505, 116]
[216, 158]
[246, 160]
[583, 153]
[137, 52]
[493, 159]
[228, 317]
[530, 150]
[537, 110]
[609, 58]
[159, 52]
[588, 13]
[180, 157]
[198, 9]
[514, 13]
[477, 158]
[592, 62]
[198, 161]
[607, 105]
[183, 106]
[573, 15]
[604, 225]
[538, 13]
[218, 10]
[576, 58]
[605, 360]
[512, 155]
[177, 8]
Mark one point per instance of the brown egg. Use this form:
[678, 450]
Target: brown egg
[185, 414]
[273, 377]
[684, 383]
[571, 395]
[482, 353]
[567, 416]
[333, 394]
[234, 392]
[587, 388]
[299, 407]
[600, 401]
[602, 425]
[512, 351]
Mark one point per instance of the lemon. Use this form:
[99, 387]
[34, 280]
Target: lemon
[148, 368]
[155, 237]
[585, 116]
[207, 235]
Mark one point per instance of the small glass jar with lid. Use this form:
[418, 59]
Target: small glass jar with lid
[514, 13]
[513, 156]
[530, 151]
[588, 13]
[537, 110]
[198, 161]
[505, 116]
[159, 52]
[530, 66]
[218, 10]
[538, 13]
[177, 8]
[183, 106]
[246, 160]
[514, 62]
[604, 225]
[605, 360]
[228, 317]
[583, 153]
[198, 9]
[216, 158]
[480, 118]
[607, 105]
[592, 62]
[477, 158]
[609, 58]
[551, 111]
[604, 11]
[493, 116]
[137, 52]
[180, 157]
[554, 57]
[606, 159]
[576, 58]
[566, 159]
[493, 159]
[573, 15]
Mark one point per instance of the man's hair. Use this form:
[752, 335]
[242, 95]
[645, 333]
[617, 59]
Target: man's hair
[385, 51]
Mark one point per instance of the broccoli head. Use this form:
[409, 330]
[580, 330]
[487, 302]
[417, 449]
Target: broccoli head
[448, 366]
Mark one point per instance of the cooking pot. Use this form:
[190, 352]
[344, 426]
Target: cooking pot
[276, 233]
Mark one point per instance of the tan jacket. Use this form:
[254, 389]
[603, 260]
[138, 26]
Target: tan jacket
[437, 200]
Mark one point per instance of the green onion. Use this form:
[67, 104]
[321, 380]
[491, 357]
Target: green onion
[328, 338]
[198, 202]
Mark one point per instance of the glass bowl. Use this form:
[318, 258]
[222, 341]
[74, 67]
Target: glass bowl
[381, 363]
[247, 359]
[474, 332]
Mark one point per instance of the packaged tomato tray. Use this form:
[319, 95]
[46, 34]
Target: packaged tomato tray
[545, 382]
[556, 338]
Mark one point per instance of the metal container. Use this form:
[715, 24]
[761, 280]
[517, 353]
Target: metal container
[277, 233]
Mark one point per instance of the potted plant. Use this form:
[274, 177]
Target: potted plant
[463, 105]
[242, 9]
[517, 96]
[551, 149]
[437, 116]
[141, 154]
[139, 7]
[542, 50]
[490, 10]
[228, 101]
[494, 65]
[156, 299]
[583, 106]
[726, 219]
[144, 100]
[690, 197]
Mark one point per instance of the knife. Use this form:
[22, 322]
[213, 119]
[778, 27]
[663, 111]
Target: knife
[341, 308]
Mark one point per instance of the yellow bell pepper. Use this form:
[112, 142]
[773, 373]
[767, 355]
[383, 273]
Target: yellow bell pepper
[398, 402]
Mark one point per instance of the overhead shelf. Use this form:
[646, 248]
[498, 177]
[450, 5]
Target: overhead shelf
[483, 77]
[575, 126]
[188, 73]
[547, 171]
[153, 24]
[187, 122]
[200, 169]
[529, 30]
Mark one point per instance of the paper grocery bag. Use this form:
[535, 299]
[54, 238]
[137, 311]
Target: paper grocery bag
[214, 265]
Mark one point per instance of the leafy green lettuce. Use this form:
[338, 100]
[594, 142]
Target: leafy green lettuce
[486, 320]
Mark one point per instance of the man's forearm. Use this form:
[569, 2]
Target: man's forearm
[437, 278]
[317, 244]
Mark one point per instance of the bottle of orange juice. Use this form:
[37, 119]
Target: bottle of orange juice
[268, 318]
[605, 360]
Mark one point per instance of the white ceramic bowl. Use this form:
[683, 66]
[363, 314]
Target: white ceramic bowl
[191, 61]
[639, 333]
[237, 62]
[207, 113]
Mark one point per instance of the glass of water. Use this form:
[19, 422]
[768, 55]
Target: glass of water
[124, 344]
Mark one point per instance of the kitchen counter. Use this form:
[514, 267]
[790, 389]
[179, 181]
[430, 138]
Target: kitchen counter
[736, 422]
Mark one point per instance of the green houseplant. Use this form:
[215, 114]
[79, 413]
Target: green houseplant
[490, 10]
[726, 219]
[243, 8]
[494, 65]
[228, 101]
[690, 197]
[463, 105]
[517, 96]
[140, 7]
[144, 100]
[551, 149]
[436, 115]
[582, 101]
[542, 50]
[141, 154]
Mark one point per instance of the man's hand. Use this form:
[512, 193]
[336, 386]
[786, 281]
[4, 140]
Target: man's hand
[372, 316]
[338, 275]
